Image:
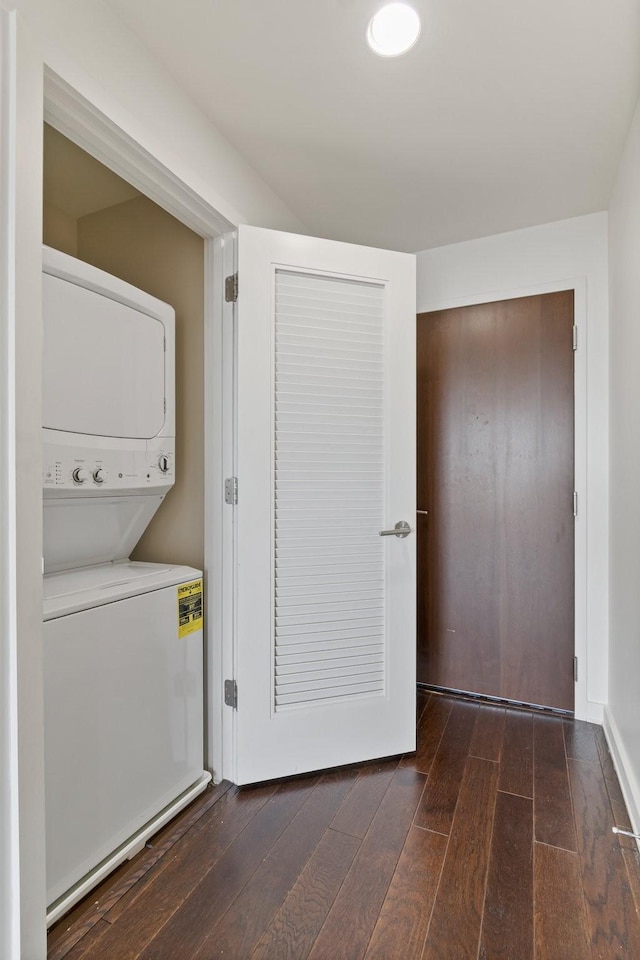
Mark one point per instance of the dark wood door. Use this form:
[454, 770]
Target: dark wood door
[496, 479]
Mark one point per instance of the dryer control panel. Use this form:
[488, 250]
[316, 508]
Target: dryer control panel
[95, 472]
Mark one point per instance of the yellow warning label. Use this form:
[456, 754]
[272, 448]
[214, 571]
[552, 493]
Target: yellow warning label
[189, 608]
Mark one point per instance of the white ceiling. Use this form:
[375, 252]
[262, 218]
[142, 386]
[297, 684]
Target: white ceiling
[507, 113]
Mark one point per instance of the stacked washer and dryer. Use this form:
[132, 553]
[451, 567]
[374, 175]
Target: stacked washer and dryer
[123, 640]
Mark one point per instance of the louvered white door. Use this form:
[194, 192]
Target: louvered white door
[325, 459]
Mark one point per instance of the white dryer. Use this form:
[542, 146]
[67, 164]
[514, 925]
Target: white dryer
[123, 641]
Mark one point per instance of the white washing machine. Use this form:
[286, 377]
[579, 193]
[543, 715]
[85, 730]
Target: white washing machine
[123, 641]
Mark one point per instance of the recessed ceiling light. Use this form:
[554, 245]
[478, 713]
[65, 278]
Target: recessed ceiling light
[393, 30]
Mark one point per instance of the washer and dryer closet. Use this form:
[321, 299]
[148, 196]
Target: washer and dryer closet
[123, 698]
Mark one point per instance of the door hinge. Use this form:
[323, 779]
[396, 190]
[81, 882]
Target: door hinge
[575, 503]
[231, 694]
[231, 491]
[575, 669]
[231, 288]
[575, 337]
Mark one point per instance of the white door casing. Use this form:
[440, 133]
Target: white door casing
[325, 459]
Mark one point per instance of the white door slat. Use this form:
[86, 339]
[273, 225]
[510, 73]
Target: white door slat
[290, 337]
[304, 698]
[329, 406]
[314, 452]
[290, 662]
[347, 546]
[318, 508]
[327, 310]
[294, 324]
[332, 649]
[288, 565]
[314, 681]
[289, 390]
[328, 374]
[317, 526]
[324, 578]
[289, 373]
[285, 635]
[294, 591]
[325, 349]
[355, 365]
[340, 449]
[315, 509]
[328, 306]
[294, 551]
[354, 319]
[330, 608]
[299, 501]
[330, 291]
[369, 358]
[347, 457]
[340, 430]
[321, 559]
[329, 475]
[327, 414]
[373, 613]
[314, 566]
[313, 485]
[289, 572]
[323, 536]
[327, 292]
[355, 597]
[326, 284]
[373, 564]
[324, 372]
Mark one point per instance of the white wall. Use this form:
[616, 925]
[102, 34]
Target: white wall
[555, 256]
[622, 720]
[89, 47]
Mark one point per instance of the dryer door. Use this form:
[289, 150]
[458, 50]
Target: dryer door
[104, 371]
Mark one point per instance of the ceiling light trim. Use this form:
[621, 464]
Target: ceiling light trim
[394, 30]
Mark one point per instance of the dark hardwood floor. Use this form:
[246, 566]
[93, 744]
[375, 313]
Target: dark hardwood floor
[492, 842]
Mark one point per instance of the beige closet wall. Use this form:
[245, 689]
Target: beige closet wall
[142, 244]
[59, 230]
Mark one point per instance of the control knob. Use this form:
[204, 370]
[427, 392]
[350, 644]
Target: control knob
[80, 475]
[163, 463]
[99, 475]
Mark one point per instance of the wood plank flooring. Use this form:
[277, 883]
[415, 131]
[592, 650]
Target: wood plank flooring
[492, 842]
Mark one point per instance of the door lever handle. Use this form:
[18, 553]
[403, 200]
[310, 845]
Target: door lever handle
[401, 529]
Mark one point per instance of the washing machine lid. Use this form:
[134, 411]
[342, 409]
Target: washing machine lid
[104, 369]
[89, 587]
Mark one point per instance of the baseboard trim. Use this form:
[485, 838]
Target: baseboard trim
[595, 712]
[628, 781]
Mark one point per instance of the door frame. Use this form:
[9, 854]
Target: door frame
[9, 744]
[83, 122]
[582, 709]
[34, 91]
